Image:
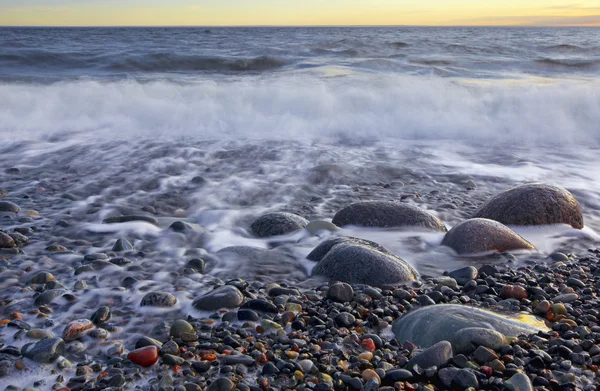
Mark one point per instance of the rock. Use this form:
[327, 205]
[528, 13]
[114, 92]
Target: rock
[147, 341]
[179, 327]
[122, 245]
[344, 319]
[238, 359]
[384, 214]
[101, 316]
[513, 292]
[129, 218]
[48, 296]
[19, 239]
[248, 315]
[226, 296]
[260, 305]
[169, 347]
[41, 278]
[468, 339]
[465, 379]
[221, 384]
[9, 207]
[464, 275]
[435, 356]
[446, 376]
[533, 204]
[6, 241]
[158, 299]
[76, 329]
[146, 356]
[519, 382]
[319, 252]
[476, 236]
[396, 375]
[444, 322]
[39, 334]
[44, 351]
[278, 223]
[197, 264]
[359, 264]
[484, 355]
[340, 292]
[566, 298]
[315, 227]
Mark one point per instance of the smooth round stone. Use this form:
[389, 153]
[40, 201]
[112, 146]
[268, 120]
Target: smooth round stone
[76, 329]
[566, 298]
[248, 315]
[129, 218]
[41, 278]
[146, 356]
[443, 322]
[318, 226]
[344, 319]
[197, 264]
[385, 214]
[519, 382]
[226, 296]
[476, 236]
[122, 245]
[464, 275]
[465, 379]
[158, 299]
[9, 207]
[48, 296]
[44, 351]
[359, 264]
[468, 339]
[238, 359]
[179, 327]
[6, 241]
[221, 384]
[278, 223]
[19, 239]
[101, 315]
[319, 252]
[39, 334]
[533, 204]
[340, 292]
[435, 356]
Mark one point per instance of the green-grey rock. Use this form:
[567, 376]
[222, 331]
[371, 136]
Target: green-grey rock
[477, 236]
[445, 322]
[533, 204]
[41, 277]
[278, 223]
[122, 245]
[179, 327]
[386, 214]
[48, 296]
[226, 296]
[44, 351]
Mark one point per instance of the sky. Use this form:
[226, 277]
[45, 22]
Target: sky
[298, 12]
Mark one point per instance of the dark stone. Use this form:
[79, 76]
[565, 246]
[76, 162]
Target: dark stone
[464, 275]
[196, 264]
[360, 264]
[122, 245]
[6, 241]
[221, 384]
[385, 214]
[44, 351]
[279, 223]
[238, 359]
[260, 305]
[323, 248]
[226, 296]
[102, 315]
[396, 375]
[340, 292]
[126, 219]
[10, 207]
[533, 204]
[158, 299]
[48, 296]
[344, 319]
[248, 315]
[435, 356]
[465, 379]
[482, 235]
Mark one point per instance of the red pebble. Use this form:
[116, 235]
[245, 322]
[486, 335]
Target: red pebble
[368, 344]
[145, 356]
[513, 292]
[487, 371]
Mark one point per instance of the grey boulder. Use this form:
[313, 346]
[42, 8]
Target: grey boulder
[278, 223]
[533, 204]
[386, 214]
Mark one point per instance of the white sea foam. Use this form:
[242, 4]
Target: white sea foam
[298, 107]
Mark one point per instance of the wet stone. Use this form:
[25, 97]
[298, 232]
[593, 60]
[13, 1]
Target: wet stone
[44, 351]
[41, 278]
[344, 319]
[76, 329]
[464, 275]
[9, 207]
[226, 296]
[158, 299]
[279, 223]
[221, 384]
[101, 315]
[48, 296]
[122, 245]
[180, 327]
[340, 292]
[129, 218]
[6, 241]
[435, 356]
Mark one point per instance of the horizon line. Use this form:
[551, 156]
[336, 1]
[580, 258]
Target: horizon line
[303, 25]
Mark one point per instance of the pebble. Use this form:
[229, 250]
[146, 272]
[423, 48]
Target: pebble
[158, 299]
[464, 275]
[340, 292]
[519, 382]
[179, 327]
[10, 207]
[44, 351]
[122, 245]
[566, 298]
[435, 356]
[76, 329]
[101, 315]
[221, 384]
[146, 356]
[226, 296]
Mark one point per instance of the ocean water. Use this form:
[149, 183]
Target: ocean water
[215, 126]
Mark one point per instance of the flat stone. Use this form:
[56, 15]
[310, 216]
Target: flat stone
[278, 223]
[463, 326]
[129, 218]
[476, 236]
[533, 204]
[566, 298]
[384, 214]
[435, 356]
[44, 351]
[158, 299]
[226, 296]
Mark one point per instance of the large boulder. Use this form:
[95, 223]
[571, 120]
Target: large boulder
[278, 223]
[385, 214]
[477, 236]
[464, 327]
[356, 262]
[533, 204]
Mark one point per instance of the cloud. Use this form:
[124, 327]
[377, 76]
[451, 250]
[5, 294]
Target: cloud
[572, 7]
[559, 20]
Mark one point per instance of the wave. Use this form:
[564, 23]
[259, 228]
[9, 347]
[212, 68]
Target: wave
[399, 44]
[568, 64]
[361, 107]
[563, 48]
